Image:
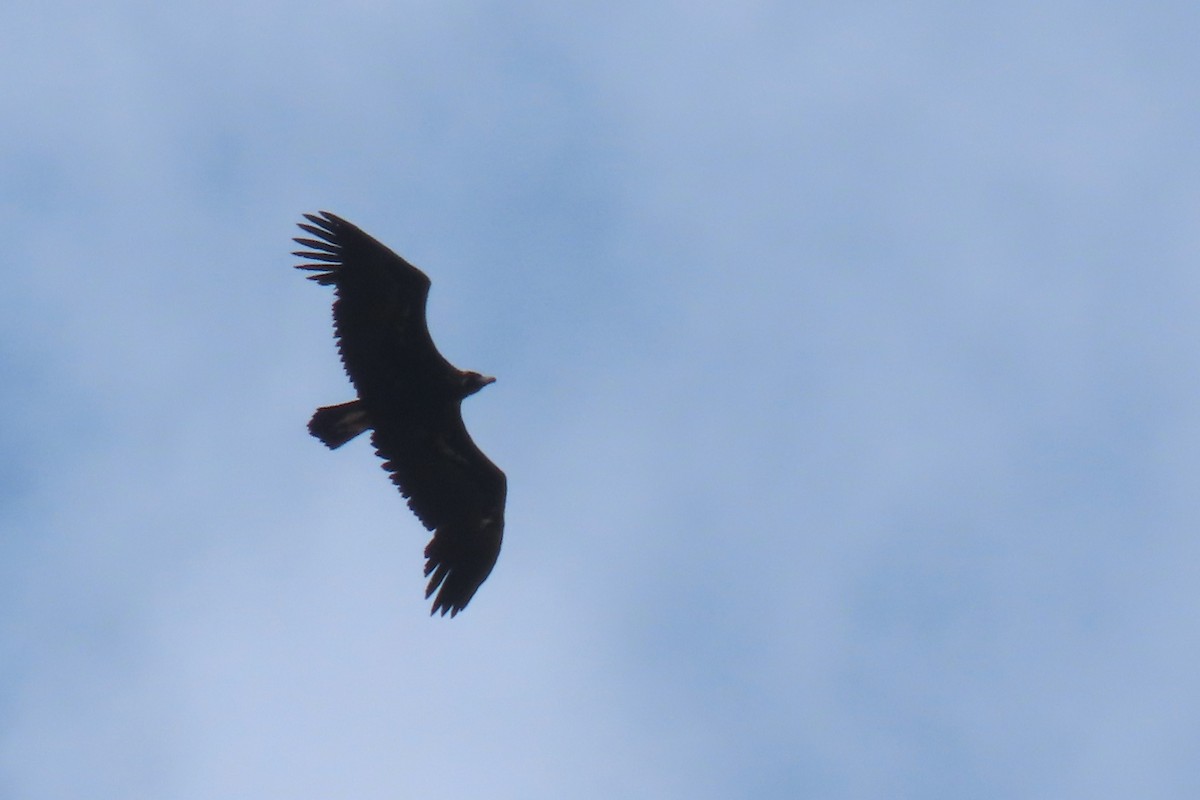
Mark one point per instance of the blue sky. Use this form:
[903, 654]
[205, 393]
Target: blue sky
[849, 394]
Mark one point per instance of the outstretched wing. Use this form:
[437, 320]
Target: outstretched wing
[456, 492]
[410, 394]
[379, 313]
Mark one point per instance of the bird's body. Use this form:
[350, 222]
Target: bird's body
[409, 396]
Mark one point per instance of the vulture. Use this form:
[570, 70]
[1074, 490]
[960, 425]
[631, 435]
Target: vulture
[409, 397]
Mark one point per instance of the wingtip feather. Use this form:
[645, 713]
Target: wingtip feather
[319, 244]
[332, 258]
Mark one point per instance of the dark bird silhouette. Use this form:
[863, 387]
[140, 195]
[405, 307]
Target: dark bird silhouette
[410, 398]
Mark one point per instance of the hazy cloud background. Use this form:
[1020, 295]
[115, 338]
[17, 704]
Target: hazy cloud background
[849, 366]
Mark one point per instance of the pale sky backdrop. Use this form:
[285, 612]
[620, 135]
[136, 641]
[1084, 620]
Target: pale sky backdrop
[849, 394]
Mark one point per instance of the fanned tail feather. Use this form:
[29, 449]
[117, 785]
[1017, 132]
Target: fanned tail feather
[336, 425]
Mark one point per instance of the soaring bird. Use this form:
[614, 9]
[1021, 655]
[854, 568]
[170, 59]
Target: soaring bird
[409, 397]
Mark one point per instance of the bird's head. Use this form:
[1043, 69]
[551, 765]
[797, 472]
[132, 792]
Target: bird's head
[473, 382]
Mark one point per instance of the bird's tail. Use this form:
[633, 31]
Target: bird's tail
[336, 425]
